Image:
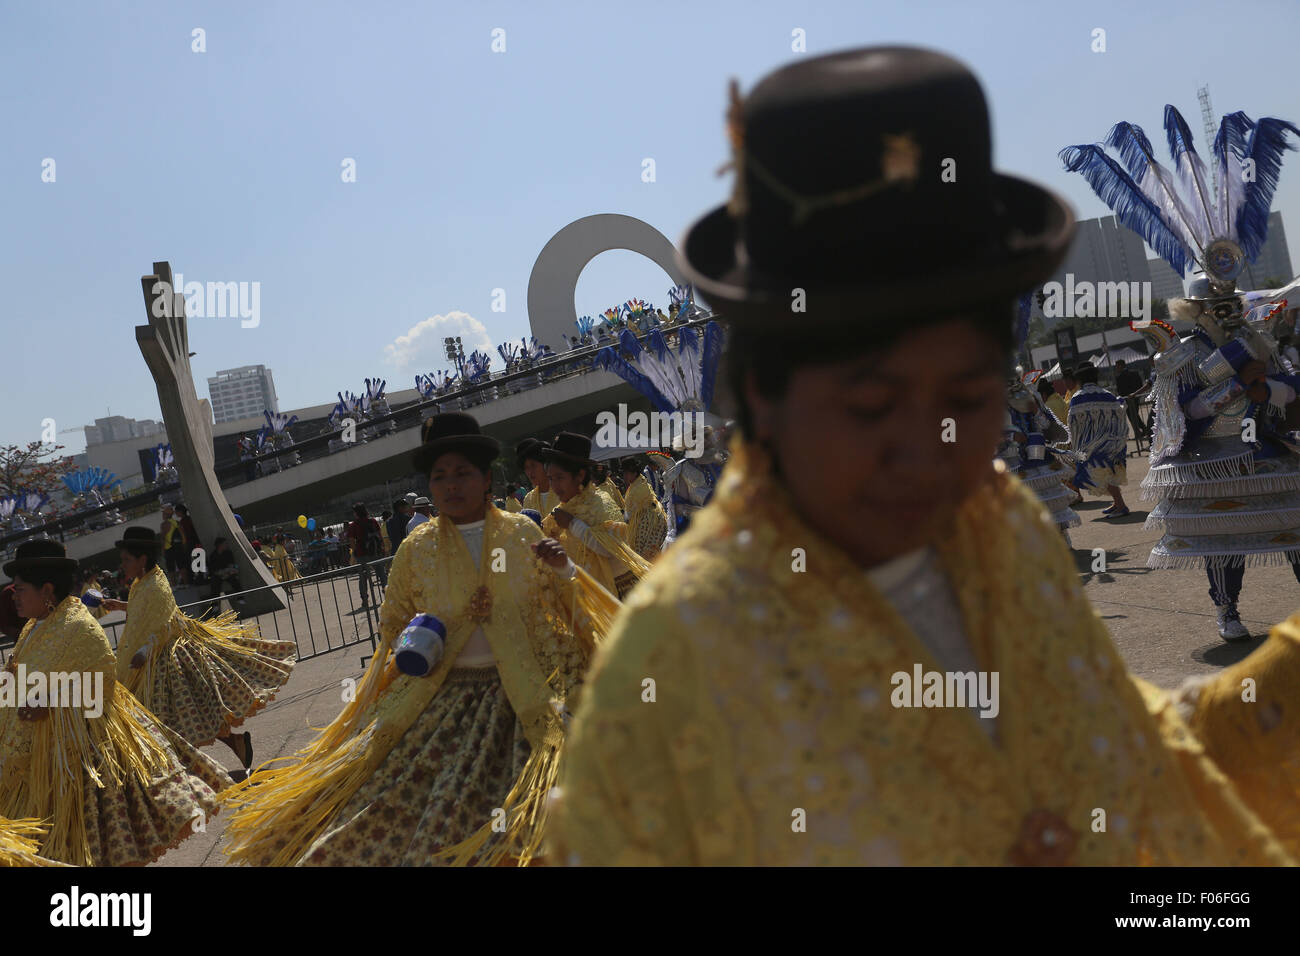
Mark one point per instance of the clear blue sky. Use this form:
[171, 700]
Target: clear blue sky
[227, 163]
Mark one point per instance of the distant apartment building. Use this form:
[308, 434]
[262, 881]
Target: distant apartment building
[1102, 251]
[242, 393]
[117, 428]
[1274, 260]
[1165, 282]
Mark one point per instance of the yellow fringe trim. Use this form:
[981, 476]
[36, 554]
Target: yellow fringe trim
[526, 812]
[221, 632]
[295, 804]
[66, 744]
[622, 551]
[20, 841]
[600, 607]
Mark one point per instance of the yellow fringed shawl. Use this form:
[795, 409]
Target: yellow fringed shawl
[646, 519]
[19, 842]
[154, 619]
[44, 760]
[605, 521]
[539, 657]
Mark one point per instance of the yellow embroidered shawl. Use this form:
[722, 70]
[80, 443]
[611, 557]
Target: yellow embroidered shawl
[44, 761]
[605, 520]
[541, 641]
[772, 739]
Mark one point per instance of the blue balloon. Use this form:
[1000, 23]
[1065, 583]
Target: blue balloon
[239, 521]
[311, 524]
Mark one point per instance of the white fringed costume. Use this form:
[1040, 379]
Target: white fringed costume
[1223, 466]
[1222, 500]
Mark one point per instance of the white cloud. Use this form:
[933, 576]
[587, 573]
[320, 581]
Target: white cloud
[421, 349]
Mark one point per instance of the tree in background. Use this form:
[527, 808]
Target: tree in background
[35, 466]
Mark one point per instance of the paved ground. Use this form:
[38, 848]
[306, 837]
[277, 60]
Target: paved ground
[1162, 622]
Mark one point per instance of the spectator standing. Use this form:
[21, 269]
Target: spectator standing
[397, 523]
[366, 541]
[422, 509]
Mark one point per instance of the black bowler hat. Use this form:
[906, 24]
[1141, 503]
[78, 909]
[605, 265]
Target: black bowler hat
[570, 449]
[841, 164]
[453, 431]
[529, 448]
[43, 554]
[140, 538]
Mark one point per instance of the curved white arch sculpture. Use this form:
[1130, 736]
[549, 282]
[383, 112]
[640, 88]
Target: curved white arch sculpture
[554, 279]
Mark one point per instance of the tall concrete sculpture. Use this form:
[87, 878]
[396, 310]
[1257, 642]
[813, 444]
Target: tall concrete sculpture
[165, 344]
[554, 279]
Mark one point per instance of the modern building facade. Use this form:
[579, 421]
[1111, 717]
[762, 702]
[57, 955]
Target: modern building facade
[243, 392]
[118, 428]
[1102, 251]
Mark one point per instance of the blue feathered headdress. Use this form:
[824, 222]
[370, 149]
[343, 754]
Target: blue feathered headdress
[1179, 212]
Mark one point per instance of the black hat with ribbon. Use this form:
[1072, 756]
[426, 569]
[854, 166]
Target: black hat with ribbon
[530, 448]
[864, 187]
[453, 431]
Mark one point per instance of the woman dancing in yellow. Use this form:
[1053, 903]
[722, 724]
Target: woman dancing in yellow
[114, 786]
[539, 497]
[282, 565]
[199, 677]
[646, 520]
[587, 522]
[872, 647]
[452, 764]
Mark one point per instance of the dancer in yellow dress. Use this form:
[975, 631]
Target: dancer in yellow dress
[646, 519]
[590, 526]
[539, 497]
[282, 565]
[112, 784]
[199, 677]
[452, 764]
[872, 647]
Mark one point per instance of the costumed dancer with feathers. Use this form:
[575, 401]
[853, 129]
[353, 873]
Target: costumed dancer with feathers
[113, 788]
[679, 382]
[201, 677]
[1224, 464]
[587, 522]
[1026, 432]
[1098, 429]
[780, 689]
[487, 629]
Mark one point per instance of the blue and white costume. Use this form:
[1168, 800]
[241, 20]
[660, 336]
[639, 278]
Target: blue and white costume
[1223, 465]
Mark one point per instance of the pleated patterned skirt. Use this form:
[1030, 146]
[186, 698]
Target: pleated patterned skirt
[438, 786]
[213, 676]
